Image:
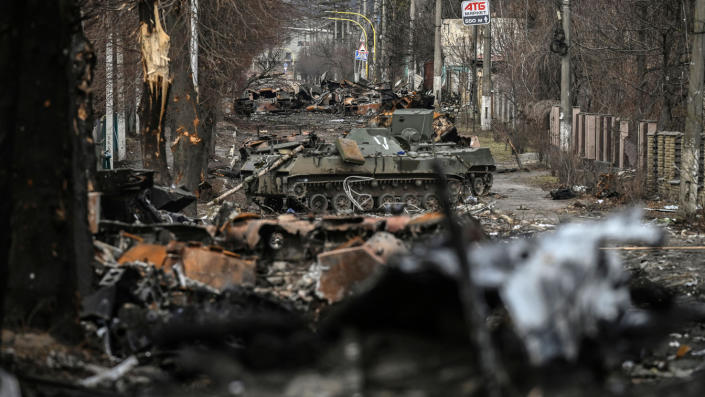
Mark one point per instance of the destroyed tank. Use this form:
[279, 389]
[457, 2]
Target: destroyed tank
[366, 170]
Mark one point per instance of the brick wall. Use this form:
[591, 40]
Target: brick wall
[663, 162]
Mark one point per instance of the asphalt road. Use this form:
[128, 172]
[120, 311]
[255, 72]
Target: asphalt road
[526, 200]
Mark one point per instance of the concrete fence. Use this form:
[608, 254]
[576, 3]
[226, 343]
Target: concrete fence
[502, 108]
[621, 143]
[604, 138]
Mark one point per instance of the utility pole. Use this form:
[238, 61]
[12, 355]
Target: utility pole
[109, 102]
[437, 67]
[566, 109]
[383, 25]
[358, 64]
[411, 62]
[694, 121]
[376, 20]
[486, 116]
[120, 80]
[474, 78]
[363, 64]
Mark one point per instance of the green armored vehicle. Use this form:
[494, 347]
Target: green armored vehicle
[368, 169]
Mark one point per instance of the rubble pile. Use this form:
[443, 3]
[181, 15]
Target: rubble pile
[241, 249]
[273, 94]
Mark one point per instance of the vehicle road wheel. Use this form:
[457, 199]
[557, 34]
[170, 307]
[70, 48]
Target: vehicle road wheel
[431, 202]
[489, 178]
[367, 202]
[454, 188]
[411, 200]
[341, 202]
[299, 190]
[478, 186]
[386, 199]
[319, 203]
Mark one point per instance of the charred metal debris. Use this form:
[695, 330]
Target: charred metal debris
[275, 95]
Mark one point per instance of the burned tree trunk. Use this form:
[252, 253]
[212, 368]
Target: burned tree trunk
[155, 69]
[188, 135]
[45, 120]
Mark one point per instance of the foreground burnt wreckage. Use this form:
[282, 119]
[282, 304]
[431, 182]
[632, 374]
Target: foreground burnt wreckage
[368, 169]
[299, 305]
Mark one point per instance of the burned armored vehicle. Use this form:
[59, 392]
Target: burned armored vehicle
[366, 170]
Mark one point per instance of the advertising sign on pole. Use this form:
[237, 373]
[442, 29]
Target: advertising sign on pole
[476, 12]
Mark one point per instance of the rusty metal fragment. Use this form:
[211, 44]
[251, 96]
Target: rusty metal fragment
[344, 269]
[210, 265]
[94, 211]
[150, 253]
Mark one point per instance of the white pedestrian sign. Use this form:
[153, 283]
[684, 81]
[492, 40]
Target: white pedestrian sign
[476, 12]
[361, 53]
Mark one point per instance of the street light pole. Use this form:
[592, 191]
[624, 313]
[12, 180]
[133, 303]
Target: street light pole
[374, 32]
[411, 63]
[486, 116]
[361, 28]
[566, 116]
[437, 68]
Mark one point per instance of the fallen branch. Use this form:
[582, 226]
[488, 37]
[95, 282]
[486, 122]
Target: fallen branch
[516, 153]
[112, 374]
[250, 178]
[675, 248]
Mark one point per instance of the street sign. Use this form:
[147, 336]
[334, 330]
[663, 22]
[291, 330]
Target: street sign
[362, 47]
[361, 55]
[476, 12]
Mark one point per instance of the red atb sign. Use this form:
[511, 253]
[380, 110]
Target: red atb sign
[476, 12]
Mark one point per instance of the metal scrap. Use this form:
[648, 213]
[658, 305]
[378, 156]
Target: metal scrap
[297, 238]
[210, 265]
[343, 269]
[274, 94]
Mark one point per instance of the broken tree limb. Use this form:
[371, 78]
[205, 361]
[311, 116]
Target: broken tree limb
[154, 48]
[637, 248]
[515, 152]
[111, 374]
[250, 178]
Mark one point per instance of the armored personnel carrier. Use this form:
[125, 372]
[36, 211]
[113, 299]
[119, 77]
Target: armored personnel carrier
[369, 168]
